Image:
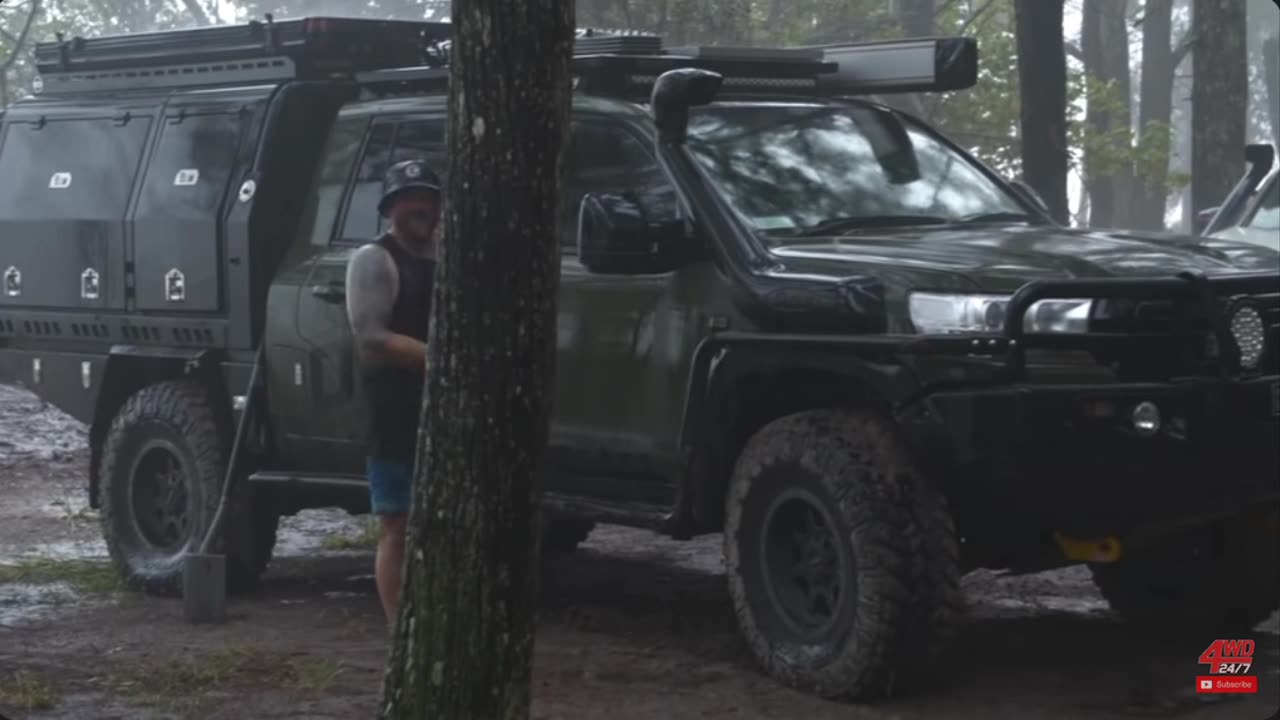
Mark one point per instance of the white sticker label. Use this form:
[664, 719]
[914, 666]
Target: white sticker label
[60, 181]
[190, 176]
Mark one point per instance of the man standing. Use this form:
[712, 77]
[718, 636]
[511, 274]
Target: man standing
[389, 286]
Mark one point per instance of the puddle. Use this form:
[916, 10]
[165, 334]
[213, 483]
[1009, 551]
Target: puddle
[304, 534]
[65, 550]
[22, 603]
[35, 430]
[702, 554]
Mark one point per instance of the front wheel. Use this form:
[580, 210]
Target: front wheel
[840, 557]
[163, 464]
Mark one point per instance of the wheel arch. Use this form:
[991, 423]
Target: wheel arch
[741, 383]
[129, 370]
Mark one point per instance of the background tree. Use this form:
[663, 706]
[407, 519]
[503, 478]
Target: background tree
[1104, 44]
[1160, 59]
[1042, 68]
[14, 44]
[464, 637]
[1219, 100]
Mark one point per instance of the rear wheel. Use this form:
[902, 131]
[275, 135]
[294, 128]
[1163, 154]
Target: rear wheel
[1212, 581]
[839, 585]
[163, 463]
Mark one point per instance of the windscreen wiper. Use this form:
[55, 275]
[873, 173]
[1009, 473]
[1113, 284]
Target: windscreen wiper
[995, 217]
[865, 222]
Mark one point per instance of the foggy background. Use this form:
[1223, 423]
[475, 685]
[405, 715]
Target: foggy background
[1134, 174]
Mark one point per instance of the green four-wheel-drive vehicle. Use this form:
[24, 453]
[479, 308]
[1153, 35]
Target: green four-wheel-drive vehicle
[788, 313]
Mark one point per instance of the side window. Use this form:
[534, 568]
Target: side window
[1267, 214]
[421, 140]
[326, 196]
[606, 157]
[361, 223]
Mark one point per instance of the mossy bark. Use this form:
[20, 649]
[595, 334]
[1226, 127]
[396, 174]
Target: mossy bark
[463, 646]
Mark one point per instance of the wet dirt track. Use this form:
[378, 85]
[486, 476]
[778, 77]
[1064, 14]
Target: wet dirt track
[633, 627]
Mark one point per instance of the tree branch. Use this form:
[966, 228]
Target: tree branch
[7, 35]
[982, 9]
[20, 42]
[1181, 49]
[195, 8]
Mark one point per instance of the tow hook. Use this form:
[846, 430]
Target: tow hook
[1105, 550]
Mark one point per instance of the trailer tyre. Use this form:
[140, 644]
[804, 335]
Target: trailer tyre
[163, 463]
[831, 571]
[1209, 582]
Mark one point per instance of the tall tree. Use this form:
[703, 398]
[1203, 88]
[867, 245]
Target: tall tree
[1160, 59]
[1219, 100]
[1104, 42]
[1042, 70]
[464, 638]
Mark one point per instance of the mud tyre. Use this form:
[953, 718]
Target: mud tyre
[1208, 582]
[562, 533]
[163, 463]
[841, 557]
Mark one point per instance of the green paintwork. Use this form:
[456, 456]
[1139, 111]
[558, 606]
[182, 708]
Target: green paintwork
[627, 342]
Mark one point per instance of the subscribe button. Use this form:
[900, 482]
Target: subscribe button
[1227, 684]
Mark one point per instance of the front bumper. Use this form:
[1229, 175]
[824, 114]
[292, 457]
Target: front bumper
[1069, 459]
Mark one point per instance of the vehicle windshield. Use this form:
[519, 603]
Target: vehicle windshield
[1266, 214]
[792, 169]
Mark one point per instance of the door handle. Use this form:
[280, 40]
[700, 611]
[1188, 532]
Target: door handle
[332, 292]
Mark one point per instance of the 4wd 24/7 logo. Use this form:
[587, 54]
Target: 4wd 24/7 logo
[1229, 664]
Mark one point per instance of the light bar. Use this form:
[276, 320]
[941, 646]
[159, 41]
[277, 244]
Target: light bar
[919, 65]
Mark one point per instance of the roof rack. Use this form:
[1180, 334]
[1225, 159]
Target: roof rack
[919, 65]
[269, 51]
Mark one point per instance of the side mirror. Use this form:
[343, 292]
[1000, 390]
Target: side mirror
[674, 92]
[1031, 195]
[616, 237]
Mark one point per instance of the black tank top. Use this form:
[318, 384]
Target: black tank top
[395, 393]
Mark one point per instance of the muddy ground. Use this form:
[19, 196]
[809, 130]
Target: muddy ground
[632, 627]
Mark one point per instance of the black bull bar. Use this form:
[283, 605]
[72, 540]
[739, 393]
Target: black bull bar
[1209, 293]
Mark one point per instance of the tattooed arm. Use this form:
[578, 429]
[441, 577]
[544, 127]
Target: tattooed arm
[372, 285]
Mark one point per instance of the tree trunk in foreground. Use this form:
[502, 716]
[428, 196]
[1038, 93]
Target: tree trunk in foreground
[463, 645]
[1219, 100]
[1042, 74]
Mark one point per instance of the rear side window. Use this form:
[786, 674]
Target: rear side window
[70, 169]
[325, 202]
[361, 224]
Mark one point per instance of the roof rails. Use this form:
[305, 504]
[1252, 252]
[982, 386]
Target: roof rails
[269, 51]
[398, 56]
[627, 66]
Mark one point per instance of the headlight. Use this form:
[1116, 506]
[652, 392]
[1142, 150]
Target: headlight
[937, 314]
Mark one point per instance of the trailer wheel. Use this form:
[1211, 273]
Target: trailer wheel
[839, 586]
[163, 463]
[1210, 581]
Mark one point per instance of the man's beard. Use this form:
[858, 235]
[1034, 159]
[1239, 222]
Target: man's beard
[417, 226]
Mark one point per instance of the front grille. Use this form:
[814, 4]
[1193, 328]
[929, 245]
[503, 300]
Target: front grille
[1185, 345]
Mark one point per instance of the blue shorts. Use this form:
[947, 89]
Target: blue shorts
[390, 486]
